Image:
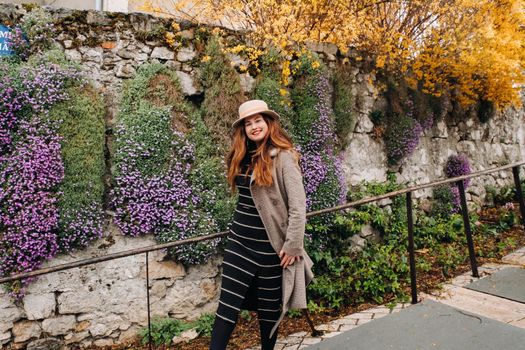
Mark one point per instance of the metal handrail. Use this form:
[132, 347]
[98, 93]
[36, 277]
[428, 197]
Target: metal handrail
[410, 223]
[155, 247]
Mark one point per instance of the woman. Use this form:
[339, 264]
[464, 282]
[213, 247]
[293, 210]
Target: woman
[265, 267]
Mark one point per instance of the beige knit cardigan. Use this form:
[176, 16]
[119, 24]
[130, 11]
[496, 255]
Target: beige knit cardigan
[282, 208]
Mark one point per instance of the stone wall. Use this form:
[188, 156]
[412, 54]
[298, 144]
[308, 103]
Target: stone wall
[104, 304]
[498, 142]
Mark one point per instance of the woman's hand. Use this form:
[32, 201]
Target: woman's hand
[287, 259]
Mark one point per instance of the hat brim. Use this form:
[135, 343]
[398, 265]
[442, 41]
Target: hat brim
[266, 112]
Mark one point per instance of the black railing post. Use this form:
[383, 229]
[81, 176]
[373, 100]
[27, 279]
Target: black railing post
[468, 231]
[519, 194]
[147, 294]
[411, 250]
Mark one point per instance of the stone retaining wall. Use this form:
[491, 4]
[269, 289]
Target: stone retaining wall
[105, 304]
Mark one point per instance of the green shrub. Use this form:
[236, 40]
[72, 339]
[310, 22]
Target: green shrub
[344, 118]
[223, 95]
[430, 231]
[204, 325]
[83, 136]
[268, 90]
[377, 117]
[177, 187]
[378, 271]
[304, 101]
[486, 110]
[449, 258]
[149, 127]
[443, 201]
[154, 83]
[208, 174]
[163, 330]
[38, 27]
[502, 195]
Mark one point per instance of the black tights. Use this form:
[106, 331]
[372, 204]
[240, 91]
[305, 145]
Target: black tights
[222, 331]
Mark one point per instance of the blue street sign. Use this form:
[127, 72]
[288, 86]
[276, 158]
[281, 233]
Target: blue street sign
[5, 41]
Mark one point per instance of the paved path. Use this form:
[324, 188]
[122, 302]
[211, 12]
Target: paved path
[498, 316]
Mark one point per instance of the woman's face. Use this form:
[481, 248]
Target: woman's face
[256, 128]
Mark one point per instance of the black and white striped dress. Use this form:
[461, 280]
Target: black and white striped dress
[251, 267]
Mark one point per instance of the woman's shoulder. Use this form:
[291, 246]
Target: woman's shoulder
[285, 155]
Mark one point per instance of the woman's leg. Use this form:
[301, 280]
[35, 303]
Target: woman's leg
[236, 278]
[221, 333]
[267, 342]
[269, 297]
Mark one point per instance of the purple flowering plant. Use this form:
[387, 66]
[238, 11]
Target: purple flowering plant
[458, 165]
[315, 136]
[31, 166]
[156, 190]
[447, 198]
[314, 128]
[404, 131]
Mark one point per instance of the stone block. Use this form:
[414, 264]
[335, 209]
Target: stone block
[186, 54]
[370, 233]
[162, 53]
[140, 56]
[236, 60]
[357, 242]
[92, 54]
[129, 334]
[97, 18]
[175, 65]
[187, 34]
[73, 55]
[80, 301]
[146, 49]
[103, 342]
[25, 330]
[123, 70]
[125, 53]
[364, 159]
[46, 344]
[5, 337]
[247, 82]
[82, 326]
[105, 325]
[60, 325]
[364, 124]
[39, 306]
[8, 315]
[185, 337]
[188, 85]
[72, 338]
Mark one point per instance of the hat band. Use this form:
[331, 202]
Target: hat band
[252, 111]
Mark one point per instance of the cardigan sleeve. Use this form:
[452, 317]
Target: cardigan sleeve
[293, 184]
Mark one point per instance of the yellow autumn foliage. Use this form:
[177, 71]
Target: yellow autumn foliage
[475, 48]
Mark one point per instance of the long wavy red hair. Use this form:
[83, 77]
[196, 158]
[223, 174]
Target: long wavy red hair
[261, 159]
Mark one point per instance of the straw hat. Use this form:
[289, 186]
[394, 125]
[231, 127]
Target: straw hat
[252, 107]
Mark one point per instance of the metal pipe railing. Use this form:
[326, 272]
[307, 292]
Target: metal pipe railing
[155, 247]
[410, 223]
